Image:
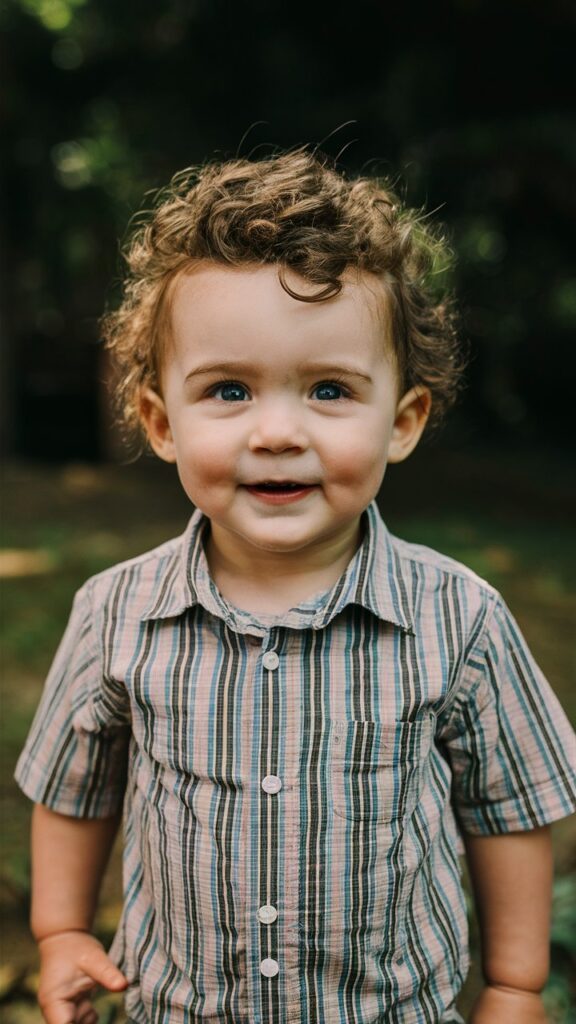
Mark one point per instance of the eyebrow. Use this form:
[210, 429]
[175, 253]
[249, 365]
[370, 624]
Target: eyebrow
[240, 368]
[337, 369]
[227, 368]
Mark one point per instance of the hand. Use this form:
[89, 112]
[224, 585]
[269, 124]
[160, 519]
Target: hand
[72, 965]
[498, 1004]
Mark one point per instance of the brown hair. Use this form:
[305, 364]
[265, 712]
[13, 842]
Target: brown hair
[295, 211]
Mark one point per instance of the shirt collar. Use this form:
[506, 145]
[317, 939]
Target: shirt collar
[373, 579]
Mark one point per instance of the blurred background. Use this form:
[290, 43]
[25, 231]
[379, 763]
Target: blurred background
[469, 106]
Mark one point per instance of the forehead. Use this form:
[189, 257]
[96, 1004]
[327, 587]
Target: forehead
[240, 310]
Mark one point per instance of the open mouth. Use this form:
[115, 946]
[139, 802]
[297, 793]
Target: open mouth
[281, 486]
[277, 491]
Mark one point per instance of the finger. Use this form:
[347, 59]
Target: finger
[85, 1013]
[59, 1011]
[100, 968]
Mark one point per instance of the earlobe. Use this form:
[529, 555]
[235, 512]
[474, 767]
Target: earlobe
[154, 419]
[412, 415]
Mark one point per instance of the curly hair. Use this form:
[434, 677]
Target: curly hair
[295, 211]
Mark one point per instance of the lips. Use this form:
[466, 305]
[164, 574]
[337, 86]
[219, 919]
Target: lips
[280, 492]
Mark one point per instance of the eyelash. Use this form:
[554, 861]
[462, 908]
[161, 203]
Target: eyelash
[346, 393]
[225, 383]
[323, 383]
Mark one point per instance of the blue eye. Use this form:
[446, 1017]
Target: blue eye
[329, 392]
[230, 392]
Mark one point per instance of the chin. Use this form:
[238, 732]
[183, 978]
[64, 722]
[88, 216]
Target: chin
[279, 544]
[274, 544]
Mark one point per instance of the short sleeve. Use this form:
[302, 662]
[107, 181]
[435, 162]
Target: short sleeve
[511, 748]
[75, 757]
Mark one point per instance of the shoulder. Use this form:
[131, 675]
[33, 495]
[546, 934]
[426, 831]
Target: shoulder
[443, 587]
[135, 582]
[431, 564]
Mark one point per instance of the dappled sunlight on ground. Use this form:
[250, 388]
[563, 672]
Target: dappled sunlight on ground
[20, 562]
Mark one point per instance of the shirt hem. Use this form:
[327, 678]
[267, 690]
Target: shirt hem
[510, 816]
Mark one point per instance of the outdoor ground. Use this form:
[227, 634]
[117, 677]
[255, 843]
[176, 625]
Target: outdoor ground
[507, 515]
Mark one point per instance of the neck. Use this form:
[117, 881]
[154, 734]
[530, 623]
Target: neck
[274, 581]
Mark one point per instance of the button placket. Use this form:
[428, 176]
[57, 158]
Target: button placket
[267, 914]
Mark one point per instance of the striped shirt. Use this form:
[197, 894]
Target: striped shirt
[294, 786]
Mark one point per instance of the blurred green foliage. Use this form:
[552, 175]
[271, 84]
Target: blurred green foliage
[560, 993]
[466, 104]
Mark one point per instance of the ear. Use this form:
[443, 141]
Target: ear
[412, 415]
[154, 419]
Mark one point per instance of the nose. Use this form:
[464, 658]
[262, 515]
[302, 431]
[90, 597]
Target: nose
[278, 427]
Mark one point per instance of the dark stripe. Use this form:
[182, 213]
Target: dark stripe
[188, 673]
[226, 702]
[168, 571]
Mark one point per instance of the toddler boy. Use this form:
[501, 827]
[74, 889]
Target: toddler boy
[300, 713]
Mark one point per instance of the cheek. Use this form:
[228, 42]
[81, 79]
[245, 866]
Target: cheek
[208, 462]
[357, 456]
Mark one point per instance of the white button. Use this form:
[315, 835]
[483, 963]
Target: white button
[269, 967]
[271, 784]
[270, 660]
[267, 914]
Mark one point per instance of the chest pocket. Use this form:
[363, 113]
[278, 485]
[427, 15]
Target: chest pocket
[378, 768]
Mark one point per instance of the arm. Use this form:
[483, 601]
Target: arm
[512, 880]
[69, 856]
